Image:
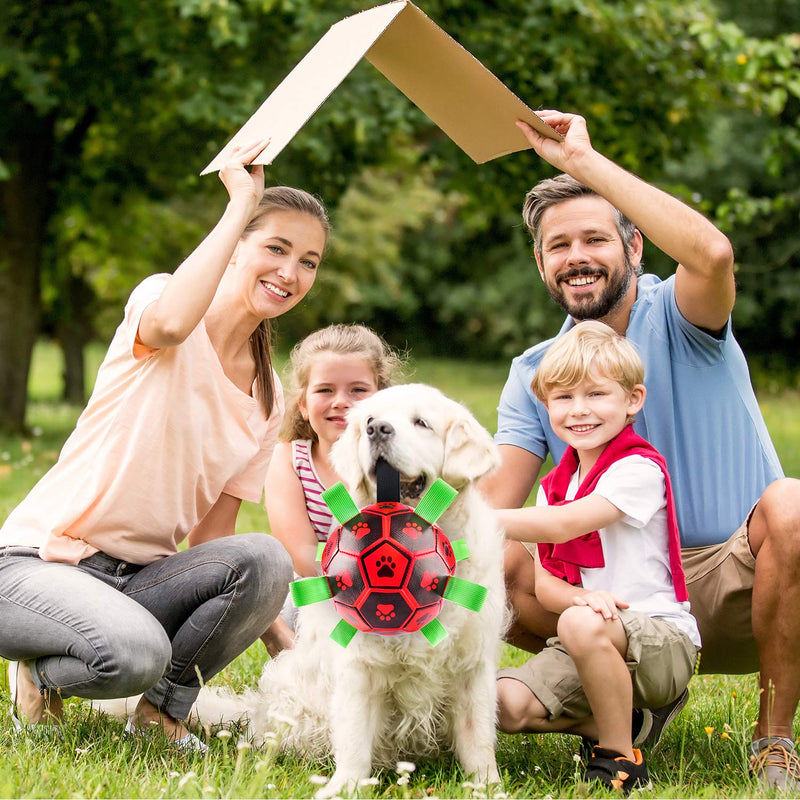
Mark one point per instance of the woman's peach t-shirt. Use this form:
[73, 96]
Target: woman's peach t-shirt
[164, 434]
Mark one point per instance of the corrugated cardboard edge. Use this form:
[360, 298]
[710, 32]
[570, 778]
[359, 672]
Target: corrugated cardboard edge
[388, 35]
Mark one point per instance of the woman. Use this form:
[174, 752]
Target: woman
[95, 598]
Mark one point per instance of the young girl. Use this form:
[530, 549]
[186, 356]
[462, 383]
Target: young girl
[95, 598]
[332, 369]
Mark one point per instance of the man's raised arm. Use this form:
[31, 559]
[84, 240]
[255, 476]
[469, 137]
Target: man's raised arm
[704, 283]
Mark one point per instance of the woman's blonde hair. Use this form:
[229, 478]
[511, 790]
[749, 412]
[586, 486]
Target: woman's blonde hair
[589, 350]
[340, 339]
[277, 198]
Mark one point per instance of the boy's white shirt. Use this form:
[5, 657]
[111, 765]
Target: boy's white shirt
[636, 548]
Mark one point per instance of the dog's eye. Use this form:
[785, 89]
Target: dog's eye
[421, 423]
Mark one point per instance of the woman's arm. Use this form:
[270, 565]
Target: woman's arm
[189, 292]
[287, 512]
[558, 523]
[219, 521]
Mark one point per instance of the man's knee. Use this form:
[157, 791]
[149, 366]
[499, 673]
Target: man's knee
[777, 519]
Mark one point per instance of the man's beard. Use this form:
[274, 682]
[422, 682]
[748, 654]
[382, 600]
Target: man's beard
[590, 307]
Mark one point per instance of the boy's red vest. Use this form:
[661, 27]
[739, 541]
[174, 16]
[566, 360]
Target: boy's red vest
[565, 558]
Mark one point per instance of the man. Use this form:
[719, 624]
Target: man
[739, 517]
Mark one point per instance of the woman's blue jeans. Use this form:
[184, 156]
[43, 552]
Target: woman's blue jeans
[106, 629]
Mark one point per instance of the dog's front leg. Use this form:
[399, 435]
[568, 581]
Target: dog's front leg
[357, 713]
[474, 731]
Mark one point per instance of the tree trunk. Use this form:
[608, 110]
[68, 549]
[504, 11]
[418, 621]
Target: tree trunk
[74, 367]
[25, 206]
[74, 331]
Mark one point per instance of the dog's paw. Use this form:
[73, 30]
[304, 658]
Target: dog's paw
[337, 786]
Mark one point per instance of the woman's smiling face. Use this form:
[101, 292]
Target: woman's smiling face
[277, 262]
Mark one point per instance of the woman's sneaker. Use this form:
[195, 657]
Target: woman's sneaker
[615, 771]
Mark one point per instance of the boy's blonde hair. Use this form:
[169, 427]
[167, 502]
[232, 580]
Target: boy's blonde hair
[341, 339]
[589, 350]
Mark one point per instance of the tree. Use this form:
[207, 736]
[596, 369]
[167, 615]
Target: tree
[98, 98]
[111, 109]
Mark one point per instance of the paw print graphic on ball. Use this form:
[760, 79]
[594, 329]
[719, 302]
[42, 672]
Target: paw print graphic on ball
[385, 612]
[386, 567]
[360, 530]
[412, 529]
[429, 582]
[344, 581]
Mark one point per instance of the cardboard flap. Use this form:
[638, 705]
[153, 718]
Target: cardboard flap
[445, 81]
[438, 75]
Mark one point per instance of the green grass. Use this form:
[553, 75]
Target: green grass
[703, 753]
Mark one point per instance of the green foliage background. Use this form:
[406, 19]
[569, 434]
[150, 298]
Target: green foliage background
[127, 100]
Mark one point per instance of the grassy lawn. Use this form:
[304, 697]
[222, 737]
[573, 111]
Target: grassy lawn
[703, 754]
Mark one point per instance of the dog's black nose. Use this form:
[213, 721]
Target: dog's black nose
[378, 429]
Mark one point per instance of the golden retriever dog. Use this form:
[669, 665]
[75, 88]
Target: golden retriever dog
[384, 698]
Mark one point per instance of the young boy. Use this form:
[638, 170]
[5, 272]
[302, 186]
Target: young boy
[607, 563]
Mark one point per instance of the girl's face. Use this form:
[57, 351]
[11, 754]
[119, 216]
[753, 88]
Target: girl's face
[335, 382]
[276, 264]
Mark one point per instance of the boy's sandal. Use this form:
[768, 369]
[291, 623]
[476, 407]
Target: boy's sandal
[616, 772]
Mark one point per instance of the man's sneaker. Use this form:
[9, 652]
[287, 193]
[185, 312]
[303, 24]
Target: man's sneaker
[615, 771]
[774, 763]
[656, 720]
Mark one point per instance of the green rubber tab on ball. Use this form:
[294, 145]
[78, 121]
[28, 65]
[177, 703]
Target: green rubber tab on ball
[340, 503]
[310, 590]
[465, 593]
[460, 549]
[435, 501]
[321, 549]
[434, 632]
[343, 633]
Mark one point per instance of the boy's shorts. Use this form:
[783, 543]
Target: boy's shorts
[719, 578]
[720, 583]
[660, 658]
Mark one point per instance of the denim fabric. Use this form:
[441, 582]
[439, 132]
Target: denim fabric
[107, 629]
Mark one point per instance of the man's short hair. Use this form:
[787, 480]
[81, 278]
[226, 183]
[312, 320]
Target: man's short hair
[551, 192]
[589, 350]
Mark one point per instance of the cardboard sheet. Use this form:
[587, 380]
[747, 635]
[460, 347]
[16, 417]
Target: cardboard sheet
[475, 109]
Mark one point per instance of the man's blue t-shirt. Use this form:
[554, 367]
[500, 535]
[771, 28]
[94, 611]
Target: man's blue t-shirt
[700, 412]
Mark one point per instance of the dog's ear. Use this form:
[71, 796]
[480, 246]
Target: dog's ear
[470, 452]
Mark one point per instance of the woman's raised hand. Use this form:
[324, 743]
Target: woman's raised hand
[241, 183]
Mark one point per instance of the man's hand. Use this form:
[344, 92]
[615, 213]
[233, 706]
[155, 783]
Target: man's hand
[567, 154]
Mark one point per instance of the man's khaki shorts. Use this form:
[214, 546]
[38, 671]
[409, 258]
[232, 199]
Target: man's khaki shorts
[719, 578]
[720, 583]
[660, 658]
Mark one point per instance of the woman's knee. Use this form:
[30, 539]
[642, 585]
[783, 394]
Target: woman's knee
[135, 659]
[261, 568]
